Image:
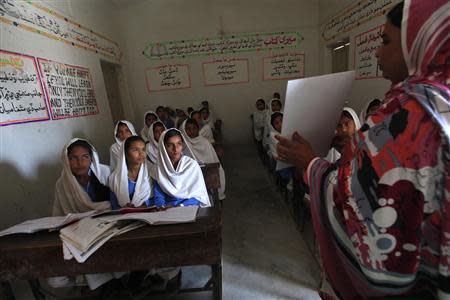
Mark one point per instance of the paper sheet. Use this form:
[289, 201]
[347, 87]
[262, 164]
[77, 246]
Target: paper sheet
[35, 225]
[313, 107]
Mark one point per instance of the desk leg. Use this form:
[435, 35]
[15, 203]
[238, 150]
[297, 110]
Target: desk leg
[6, 291]
[217, 279]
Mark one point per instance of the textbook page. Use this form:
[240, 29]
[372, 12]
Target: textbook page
[86, 232]
[173, 215]
[35, 225]
[82, 256]
[313, 107]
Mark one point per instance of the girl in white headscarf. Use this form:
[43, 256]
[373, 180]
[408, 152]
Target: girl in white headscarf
[259, 119]
[83, 182]
[370, 107]
[276, 123]
[149, 118]
[347, 126]
[274, 106]
[203, 150]
[205, 129]
[130, 182]
[179, 179]
[122, 131]
[154, 132]
[82, 187]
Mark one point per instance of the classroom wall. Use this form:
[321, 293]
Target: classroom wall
[363, 90]
[159, 21]
[30, 152]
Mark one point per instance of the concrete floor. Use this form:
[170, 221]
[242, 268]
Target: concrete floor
[264, 255]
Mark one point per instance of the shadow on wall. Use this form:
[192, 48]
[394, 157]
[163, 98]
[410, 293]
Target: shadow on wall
[22, 198]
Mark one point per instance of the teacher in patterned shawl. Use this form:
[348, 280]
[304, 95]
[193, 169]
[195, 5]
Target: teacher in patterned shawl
[382, 215]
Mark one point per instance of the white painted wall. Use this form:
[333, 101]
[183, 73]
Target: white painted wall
[30, 153]
[363, 90]
[153, 21]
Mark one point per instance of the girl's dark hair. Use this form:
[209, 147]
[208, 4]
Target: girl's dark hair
[132, 139]
[276, 95]
[158, 124]
[274, 116]
[80, 143]
[193, 122]
[194, 112]
[160, 107]
[151, 114]
[395, 15]
[277, 100]
[261, 100]
[172, 133]
[204, 109]
[190, 109]
[373, 103]
[347, 115]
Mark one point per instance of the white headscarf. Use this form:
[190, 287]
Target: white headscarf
[205, 129]
[114, 151]
[272, 141]
[186, 181]
[267, 125]
[144, 131]
[333, 155]
[152, 146]
[205, 153]
[70, 197]
[363, 115]
[118, 182]
[259, 119]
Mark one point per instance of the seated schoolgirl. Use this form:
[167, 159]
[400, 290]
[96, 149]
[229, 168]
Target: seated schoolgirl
[82, 187]
[205, 129]
[202, 149]
[206, 117]
[369, 109]
[275, 105]
[149, 117]
[122, 131]
[83, 183]
[181, 116]
[259, 119]
[130, 182]
[276, 124]
[179, 179]
[347, 126]
[154, 132]
[164, 117]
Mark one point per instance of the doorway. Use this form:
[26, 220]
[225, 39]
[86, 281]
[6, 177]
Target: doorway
[111, 73]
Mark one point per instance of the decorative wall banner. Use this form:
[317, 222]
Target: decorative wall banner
[225, 71]
[69, 89]
[21, 96]
[284, 66]
[36, 18]
[365, 62]
[223, 45]
[168, 77]
[355, 15]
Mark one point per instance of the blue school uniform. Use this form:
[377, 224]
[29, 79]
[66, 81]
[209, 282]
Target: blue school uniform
[131, 189]
[162, 199]
[96, 191]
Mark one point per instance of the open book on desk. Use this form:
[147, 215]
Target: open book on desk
[46, 223]
[71, 247]
[82, 239]
[172, 215]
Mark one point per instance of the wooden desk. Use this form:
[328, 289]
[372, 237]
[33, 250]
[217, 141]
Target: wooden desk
[40, 255]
